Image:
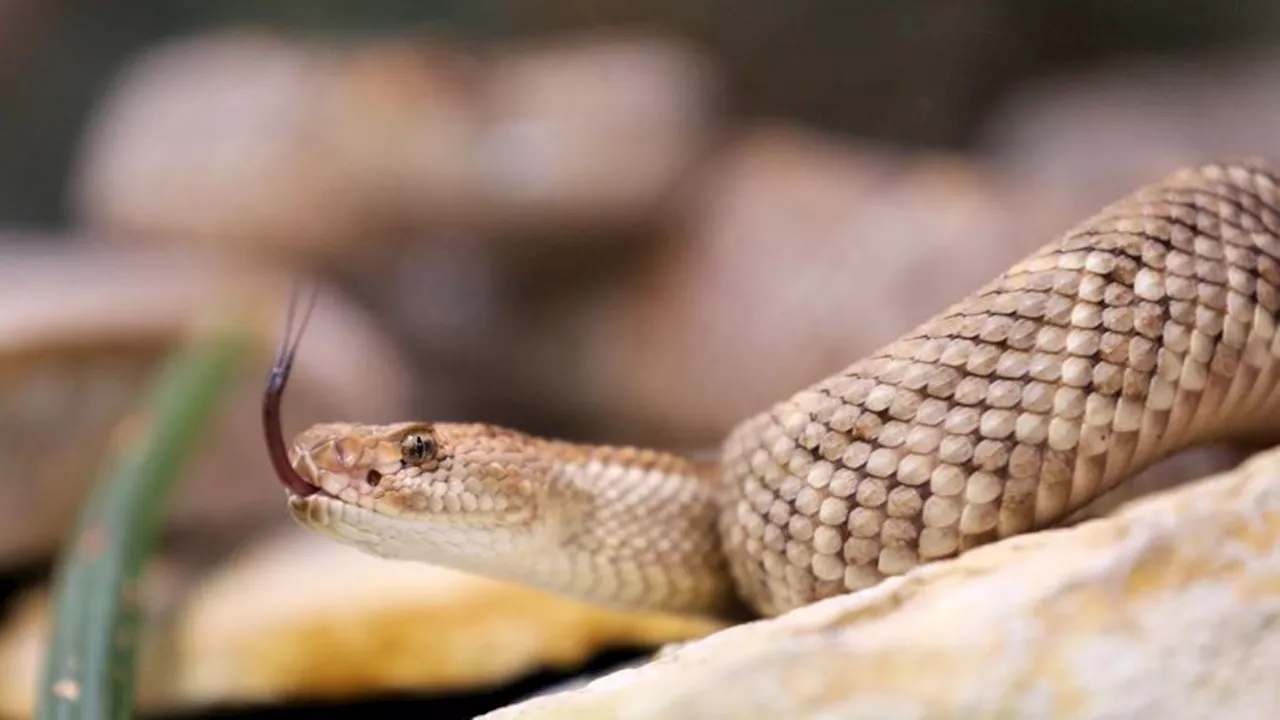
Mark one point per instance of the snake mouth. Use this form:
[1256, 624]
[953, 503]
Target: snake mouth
[303, 505]
[317, 492]
[314, 509]
[328, 515]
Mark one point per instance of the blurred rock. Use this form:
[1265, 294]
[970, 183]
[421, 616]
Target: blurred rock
[913, 70]
[221, 140]
[1169, 609]
[301, 618]
[1092, 136]
[584, 130]
[84, 331]
[449, 295]
[259, 143]
[799, 254]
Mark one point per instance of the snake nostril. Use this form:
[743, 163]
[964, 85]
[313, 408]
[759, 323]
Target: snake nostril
[373, 478]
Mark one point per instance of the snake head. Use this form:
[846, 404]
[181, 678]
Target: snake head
[415, 490]
[622, 526]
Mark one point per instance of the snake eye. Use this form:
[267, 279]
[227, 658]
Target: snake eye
[417, 448]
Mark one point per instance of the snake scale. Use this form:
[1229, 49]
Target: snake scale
[1146, 329]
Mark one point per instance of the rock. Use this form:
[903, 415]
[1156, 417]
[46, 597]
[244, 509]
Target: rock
[265, 144]
[914, 70]
[593, 129]
[274, 624]
[301, 618]
[224, 140]
[1089, 137]
[1167, 609]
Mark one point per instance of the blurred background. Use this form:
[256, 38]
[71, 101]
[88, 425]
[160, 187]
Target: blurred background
[607, 221]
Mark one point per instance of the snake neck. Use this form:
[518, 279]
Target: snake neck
[636, 529]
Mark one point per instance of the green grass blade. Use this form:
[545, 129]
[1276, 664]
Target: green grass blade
[90, 665]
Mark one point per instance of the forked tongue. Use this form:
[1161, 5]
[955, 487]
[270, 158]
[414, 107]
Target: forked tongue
[294, 325]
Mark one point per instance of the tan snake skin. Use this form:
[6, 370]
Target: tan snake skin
[1148, 328]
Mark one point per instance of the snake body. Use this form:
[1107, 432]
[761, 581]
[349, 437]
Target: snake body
[1144, 330]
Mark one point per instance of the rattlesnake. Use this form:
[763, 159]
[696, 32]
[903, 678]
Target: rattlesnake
[1144, 330]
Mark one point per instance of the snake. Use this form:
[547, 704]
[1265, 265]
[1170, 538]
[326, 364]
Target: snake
[1144, 330]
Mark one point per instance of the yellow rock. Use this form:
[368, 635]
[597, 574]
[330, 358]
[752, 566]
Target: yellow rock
[303, 616]
[1167, 609]
[299, 617]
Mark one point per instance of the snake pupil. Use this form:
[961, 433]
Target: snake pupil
[373, 478]
[417, 448]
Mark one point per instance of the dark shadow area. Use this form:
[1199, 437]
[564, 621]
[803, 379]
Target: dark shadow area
[441, 707]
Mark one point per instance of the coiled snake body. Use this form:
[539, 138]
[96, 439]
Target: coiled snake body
[1146, 329]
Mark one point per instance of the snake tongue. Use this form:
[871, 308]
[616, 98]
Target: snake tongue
[285, 472]
[271, 399]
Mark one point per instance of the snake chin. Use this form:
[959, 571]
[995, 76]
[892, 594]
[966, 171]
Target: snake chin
[331, 517]
[450, 541]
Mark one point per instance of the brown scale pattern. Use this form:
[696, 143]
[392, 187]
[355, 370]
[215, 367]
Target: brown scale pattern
[639, 511]
[1144, 330]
